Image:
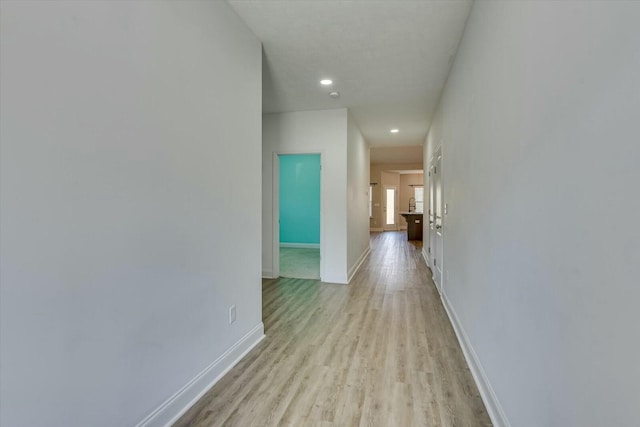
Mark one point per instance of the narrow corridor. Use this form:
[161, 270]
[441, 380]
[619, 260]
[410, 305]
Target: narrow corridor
[377, 352]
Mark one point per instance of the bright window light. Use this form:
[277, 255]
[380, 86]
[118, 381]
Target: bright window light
[419, 196]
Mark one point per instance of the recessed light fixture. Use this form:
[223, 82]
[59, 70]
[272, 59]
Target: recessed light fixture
[335, 94]
[394, 130]
[326, 82]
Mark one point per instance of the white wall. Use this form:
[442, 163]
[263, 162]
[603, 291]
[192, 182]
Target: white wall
[126, 127]
[357, 197]
[539, 123]
[323, 132]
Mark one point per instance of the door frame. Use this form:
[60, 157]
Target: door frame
[275, 208]
[434, 233]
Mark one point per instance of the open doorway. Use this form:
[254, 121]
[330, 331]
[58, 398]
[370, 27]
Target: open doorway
[401, 200]
[397, 188]
[299, 216]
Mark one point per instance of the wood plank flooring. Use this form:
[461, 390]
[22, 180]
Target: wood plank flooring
[377, 352]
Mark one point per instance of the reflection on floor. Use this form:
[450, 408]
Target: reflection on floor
[300, 263]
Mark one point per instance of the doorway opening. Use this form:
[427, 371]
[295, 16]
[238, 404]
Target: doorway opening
[299, 216]
[399, 166]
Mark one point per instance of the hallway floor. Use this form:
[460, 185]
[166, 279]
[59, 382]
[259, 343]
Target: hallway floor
[378, 352]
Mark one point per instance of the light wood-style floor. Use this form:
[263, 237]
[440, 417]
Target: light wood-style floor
[377, 352]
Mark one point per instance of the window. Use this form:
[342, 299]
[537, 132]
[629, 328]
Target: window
[371, 201]
[419, 195]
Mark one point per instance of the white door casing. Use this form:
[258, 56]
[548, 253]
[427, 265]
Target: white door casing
[436, 217]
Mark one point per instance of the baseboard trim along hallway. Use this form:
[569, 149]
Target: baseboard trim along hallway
[358, 264]
[491, 402]
[425, 255]
[174, 407]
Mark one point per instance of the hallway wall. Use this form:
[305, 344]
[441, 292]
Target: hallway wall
[322, 132]
[357, 197]
[344, 186]
[539, 126]
[127, 128]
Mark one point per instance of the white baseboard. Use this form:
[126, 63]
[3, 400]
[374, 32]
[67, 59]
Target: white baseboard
[267, 274]
[174, 407]
[354, 269]
[338, 280]
[300, 245]
[375, 230]
[491, 402]
[427, 259]
[425, 255]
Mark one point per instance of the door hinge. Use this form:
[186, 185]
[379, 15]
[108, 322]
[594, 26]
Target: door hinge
[429, 249]
[435, 262]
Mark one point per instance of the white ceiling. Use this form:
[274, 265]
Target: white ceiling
[410, 154]
[388, 59]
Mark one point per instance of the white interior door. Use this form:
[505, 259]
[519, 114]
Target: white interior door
[432, 214]
[436, 210]
[390, 207]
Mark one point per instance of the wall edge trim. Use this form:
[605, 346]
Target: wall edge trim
[337, 279]
[425, 256]
[175, 406]
[267, 274]
[491, 402]
[353, 270]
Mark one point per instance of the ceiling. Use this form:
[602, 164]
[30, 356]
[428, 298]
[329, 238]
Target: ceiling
[389, 59]
[410, 154]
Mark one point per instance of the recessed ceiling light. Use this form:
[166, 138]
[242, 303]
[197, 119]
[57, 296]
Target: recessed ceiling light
[394, 130]
[326, 82]
[335, 94]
